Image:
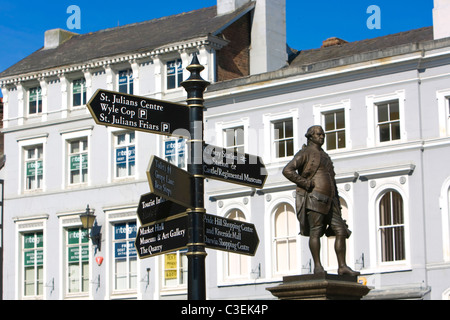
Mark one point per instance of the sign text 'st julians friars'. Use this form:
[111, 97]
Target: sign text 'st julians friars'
[139, 113]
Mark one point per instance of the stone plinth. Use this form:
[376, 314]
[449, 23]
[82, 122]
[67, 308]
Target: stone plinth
[319, 287]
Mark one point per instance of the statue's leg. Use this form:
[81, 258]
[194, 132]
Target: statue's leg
[316, 223]
[340, 248]
[314, 247]
[341, 231]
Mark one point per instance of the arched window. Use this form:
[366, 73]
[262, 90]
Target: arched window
[285, 239]
[236, 265]
[391, 227]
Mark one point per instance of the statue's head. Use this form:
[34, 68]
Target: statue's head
[316, 135]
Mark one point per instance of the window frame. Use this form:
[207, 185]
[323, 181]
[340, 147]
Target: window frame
[443, 105]
[268, 120]
[222, 127]
[224, 207]
[83, 93]
[23, 144]
[381, 226]
[277, 141]
[39, 283]
[82, 279]
[335, 131]
[243, 260]
[129, 83]
[177, 73]
[377, 188]
[181, 280]
[66, 138]
[113, 216]
[128, 274]
[39, 100]
[235, 146]
[389, 122]
[26, 225]
[37, 159]
[83, 152]
[372, 102]
[71, 220]
[288, 238]
[129, 143]
[180, 148]
[319, 112]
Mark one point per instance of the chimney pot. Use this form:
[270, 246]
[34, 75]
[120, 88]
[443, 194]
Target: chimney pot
[55, 37]
[227, 6]
[441, 23]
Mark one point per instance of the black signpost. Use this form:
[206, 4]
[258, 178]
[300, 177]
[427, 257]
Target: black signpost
[230, 235]
[170, 182]
[173, 215]
[152, 208]
[230, 166]
[220, 233]
[196, 255]
[139, 113]
[162, 237]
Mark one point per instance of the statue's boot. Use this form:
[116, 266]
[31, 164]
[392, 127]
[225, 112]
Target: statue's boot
[345, 270]
[319, 270]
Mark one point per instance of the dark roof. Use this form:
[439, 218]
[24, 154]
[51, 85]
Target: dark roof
[314, 60]
[308, 57]
[133, 38]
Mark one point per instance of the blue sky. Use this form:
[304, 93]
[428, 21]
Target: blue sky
[23, 23]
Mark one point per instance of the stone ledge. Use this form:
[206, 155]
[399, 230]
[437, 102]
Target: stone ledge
[319, 287]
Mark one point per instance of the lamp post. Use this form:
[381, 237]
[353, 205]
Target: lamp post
[87, 220]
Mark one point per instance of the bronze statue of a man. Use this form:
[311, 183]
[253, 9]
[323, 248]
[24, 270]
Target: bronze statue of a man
[317, 202]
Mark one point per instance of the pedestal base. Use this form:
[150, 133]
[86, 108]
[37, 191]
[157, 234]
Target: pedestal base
[319, 287]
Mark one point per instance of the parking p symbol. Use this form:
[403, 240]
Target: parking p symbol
[165, 127]
[142, 114]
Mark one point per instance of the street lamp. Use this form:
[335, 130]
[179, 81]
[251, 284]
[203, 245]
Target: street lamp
[87, 220]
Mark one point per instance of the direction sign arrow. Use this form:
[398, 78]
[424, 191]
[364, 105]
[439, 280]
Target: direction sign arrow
[230, 166]
[170, 182]
[163, 237]
[152, 208]
[230, 235]
[139, 113]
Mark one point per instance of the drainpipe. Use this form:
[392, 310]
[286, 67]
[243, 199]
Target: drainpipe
[422, 169]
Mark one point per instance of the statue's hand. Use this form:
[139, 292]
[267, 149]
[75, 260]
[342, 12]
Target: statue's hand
[310, 186]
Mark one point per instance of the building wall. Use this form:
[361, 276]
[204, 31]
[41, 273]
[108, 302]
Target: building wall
[57, 205]
[233, 60]
[414, 166]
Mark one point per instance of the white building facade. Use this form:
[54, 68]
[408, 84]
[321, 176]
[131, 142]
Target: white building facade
[385, 112]
[386, 131]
